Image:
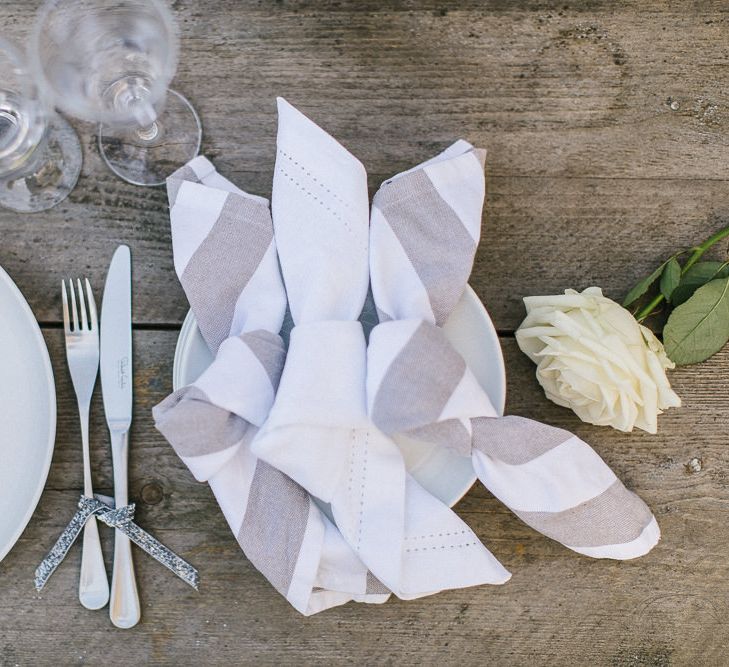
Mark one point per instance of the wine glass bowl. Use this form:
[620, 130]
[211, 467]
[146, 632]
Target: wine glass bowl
[106, 61]
[22, 122]
[40, 155]
[111, 62]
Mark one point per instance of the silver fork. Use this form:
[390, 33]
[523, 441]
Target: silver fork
[82, 353]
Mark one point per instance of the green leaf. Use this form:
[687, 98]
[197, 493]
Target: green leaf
[699, 327]
[642, 287]
[699, 274]
[670, 278]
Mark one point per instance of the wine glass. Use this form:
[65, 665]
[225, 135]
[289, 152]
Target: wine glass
[40, 154]
[111, 62]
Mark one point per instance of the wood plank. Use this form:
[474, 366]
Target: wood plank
[575, 104]
[540, 236]
[559, 609]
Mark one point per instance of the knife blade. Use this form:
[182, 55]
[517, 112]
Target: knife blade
[116, 386]
[116, 341]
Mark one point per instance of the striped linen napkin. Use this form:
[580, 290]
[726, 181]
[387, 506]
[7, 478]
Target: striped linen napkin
[225, 258]
[424, 231]
[318, 431]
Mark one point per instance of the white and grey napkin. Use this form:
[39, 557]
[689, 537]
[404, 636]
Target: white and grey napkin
[279, 436]
[225, 257]
[425, 228]
[318, 431]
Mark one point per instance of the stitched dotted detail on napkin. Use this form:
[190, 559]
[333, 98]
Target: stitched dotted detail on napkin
[465, 531]
[362, 487]
[362, 470]
[319, 201]
[312, 177]
[444, 546]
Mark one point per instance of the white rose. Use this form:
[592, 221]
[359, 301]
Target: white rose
[592, 356]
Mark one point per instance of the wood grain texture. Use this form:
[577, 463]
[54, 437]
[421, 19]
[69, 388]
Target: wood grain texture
[559, 609]
[601, 120]
[606, 125]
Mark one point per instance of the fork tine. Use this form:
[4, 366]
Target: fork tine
[93, 320]
[64, 298]
[82, 306]
[74, 310]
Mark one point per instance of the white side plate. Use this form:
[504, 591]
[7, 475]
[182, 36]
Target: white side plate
[27, 413]
[442, 472]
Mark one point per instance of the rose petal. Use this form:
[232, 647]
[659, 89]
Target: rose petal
[594, 357]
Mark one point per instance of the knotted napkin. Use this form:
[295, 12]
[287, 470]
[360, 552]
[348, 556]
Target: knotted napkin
[225, 258]
[424, 231]
[318, 431]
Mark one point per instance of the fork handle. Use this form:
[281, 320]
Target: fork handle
[124, 609]
[93, 585]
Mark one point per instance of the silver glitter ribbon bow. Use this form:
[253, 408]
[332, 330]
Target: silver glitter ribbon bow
[120, 518]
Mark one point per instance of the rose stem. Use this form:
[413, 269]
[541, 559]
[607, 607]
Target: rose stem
[698, 251]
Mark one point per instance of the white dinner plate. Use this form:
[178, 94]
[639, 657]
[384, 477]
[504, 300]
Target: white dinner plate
[442, 472]
[27, 413]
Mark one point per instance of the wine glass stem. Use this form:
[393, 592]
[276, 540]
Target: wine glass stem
[149, 132]
[41, 159]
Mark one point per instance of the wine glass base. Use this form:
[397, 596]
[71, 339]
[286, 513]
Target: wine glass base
[56, 169]
[147, 156]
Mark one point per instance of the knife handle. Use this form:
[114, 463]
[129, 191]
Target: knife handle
[124, 607]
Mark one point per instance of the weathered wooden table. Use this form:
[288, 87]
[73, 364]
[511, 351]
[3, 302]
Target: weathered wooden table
[606, 125]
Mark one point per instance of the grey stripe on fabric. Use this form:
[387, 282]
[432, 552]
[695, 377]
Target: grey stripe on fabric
[274, 525]
[196, 427]
[375, 586]
[269, 350]
[515, 440]
[449, 433]
[616, 516]
[433, 237]
[418, 383]
[174, 182]
[224, 263]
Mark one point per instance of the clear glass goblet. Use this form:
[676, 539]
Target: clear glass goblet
[111, 62]
[40, 154]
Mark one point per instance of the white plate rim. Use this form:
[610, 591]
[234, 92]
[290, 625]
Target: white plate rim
[45, 359]
[189, 325]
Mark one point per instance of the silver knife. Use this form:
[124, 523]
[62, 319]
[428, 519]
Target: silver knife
[116, 385]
